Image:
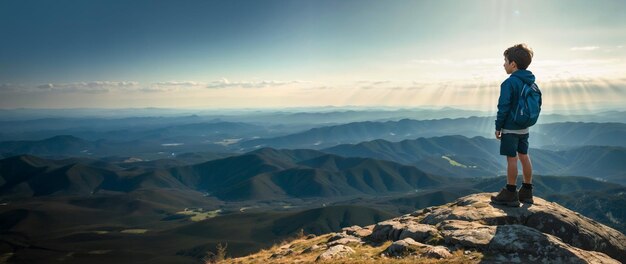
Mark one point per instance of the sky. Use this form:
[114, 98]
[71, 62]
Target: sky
[269, 54]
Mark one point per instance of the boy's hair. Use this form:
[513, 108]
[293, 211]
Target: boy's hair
[521, 54]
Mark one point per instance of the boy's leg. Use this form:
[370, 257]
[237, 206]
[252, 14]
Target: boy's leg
[511, 170]
[526, 192]
[508, 195]
[527, 167]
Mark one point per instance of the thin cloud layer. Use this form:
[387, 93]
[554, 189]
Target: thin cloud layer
[86, 87]
[586, 48]
[10, 87]
[465, 62]
[133, 86]
[225, 83]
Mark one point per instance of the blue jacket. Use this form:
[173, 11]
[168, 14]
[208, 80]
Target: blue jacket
[509, 94]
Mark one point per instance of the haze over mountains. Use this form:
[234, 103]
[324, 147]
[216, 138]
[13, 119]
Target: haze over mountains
[132, 185]
[241, 137]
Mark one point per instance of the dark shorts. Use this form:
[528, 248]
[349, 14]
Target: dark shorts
[510, 144]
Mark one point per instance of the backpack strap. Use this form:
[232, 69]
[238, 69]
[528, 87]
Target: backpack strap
[525, 84]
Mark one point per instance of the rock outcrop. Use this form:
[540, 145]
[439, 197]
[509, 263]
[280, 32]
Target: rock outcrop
[472, 229]
[543, 231]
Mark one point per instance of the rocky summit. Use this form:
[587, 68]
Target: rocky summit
[468, 230]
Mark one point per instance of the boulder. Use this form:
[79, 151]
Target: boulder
[335, 252]
[393, 228]
[408, 246]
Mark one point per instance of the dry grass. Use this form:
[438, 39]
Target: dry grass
[365, 254]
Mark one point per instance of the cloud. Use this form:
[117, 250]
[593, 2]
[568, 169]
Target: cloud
[75, 87]
[465, 62]
[586, 48]
[171, 86]
[97, 87]
[393, 85]
[433, 61]
[487, 61]
[10, 87]
[177, 83]
[560, 81]
[575, 62]
[585, 89]
[323, 87]
[86, 87]
[45, 86]
[371, 84]
[225, 83]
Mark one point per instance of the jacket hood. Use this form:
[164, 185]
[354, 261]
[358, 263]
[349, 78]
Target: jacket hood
[525, 75]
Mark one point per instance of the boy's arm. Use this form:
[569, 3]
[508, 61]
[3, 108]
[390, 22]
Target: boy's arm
[504, 104]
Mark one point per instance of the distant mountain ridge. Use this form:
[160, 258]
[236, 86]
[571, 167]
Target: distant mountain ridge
[323, 137]
[241, 137]
[455, 156]
[479, 157]
[63, 146]
[561, 134]
[579, 134]
[57, 145]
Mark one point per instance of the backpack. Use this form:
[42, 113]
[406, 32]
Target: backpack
[528, 106]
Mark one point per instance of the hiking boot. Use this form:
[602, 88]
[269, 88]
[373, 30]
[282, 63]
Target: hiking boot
[526, 195]
[506, 197]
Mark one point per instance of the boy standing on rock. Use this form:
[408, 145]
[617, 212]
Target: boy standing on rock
[513, 137]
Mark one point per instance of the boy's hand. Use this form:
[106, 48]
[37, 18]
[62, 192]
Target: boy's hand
[498, 135]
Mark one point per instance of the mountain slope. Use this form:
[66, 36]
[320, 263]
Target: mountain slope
[28, 176]
[327, 175]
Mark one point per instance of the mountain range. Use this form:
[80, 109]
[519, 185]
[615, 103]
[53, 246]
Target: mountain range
[460, 156]
[553, 135]
[251, 201]
[168, 189]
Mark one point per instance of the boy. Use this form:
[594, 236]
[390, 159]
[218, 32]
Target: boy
[514, 138]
